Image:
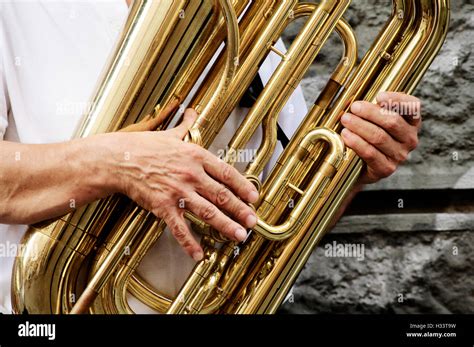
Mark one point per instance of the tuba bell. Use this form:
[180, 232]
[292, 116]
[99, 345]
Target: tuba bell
[77, 263]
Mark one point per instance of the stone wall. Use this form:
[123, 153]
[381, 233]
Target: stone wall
[417, 227]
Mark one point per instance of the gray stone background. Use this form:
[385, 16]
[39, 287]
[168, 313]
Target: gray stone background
[419, 258]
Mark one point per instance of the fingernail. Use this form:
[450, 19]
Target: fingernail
[253, 196]
[356, 107]
[198, 255]
[251, 220]
[346, 118]
[240, 234]
[345, 133]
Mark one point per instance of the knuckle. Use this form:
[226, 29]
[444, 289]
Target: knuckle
[391, 121]
[189, 174]
[187, 244]
[178, 230]
[412, 142]
[223, 196]
[158, 213]
[389, 169]
[195, 151]
[161, 211]
[179, 193]
[369, 153]
[226, 172]
[145, 174]
[379, 137]
[208, 212]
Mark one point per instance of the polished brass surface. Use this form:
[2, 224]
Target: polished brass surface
[86, 260]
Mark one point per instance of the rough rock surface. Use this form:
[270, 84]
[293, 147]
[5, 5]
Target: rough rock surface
[423, 266]
[408, 271]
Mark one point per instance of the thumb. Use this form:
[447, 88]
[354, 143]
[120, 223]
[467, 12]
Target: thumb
[182, 129]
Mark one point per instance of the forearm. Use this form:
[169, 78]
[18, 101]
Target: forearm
[39, 182]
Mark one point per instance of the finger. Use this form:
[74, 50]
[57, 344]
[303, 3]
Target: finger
[376, 136]
[143, 125]
[211, 215]
[390, 121]
[183, 235]
[225, 200]
[151, 123]
[378, 164]
[229, 176]
[160, 115]
[182, 129]
[408, 106]
[170, 108]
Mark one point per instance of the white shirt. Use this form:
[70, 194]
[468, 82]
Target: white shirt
[51, 56]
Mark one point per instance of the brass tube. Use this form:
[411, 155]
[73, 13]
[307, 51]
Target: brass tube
[337, 79]
[304, 208]
[245, 73]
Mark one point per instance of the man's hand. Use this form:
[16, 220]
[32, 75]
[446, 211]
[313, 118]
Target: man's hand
[158, 170]
[168, 176]
[383, 134]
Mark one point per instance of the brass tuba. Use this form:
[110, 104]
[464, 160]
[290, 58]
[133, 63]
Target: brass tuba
[77, 263]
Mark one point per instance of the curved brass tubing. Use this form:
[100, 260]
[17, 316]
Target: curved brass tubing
[248, 69]
[156, 301]
[316, 188]
[336, 81]
[349, 40]
[230, 69]
[304, 50]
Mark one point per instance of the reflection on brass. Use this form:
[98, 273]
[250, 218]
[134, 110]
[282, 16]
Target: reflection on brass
[86, 261]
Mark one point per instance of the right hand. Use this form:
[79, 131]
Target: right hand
[167, 176]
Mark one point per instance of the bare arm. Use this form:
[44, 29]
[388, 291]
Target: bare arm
[157, 170]
[44, 181]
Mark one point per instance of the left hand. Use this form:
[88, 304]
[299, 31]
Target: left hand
[382, 134]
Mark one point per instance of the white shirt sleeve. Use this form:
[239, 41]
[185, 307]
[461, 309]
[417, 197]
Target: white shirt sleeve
[3, 99]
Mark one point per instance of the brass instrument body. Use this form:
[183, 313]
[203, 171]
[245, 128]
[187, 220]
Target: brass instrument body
[158, 60]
